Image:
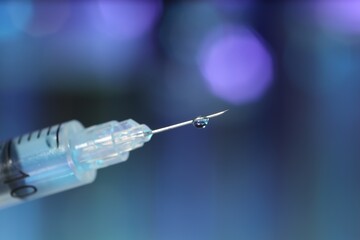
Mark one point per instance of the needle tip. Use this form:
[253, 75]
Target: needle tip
[199, 122]
[217, 114]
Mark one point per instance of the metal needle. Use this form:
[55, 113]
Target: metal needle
[186, 123]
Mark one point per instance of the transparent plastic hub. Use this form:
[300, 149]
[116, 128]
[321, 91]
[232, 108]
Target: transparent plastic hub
[109, 143]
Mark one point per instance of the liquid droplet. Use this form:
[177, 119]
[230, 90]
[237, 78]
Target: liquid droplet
[201, 122]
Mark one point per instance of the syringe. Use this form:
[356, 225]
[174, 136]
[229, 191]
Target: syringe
[68, 155]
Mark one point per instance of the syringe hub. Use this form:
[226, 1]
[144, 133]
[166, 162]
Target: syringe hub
[109, 143]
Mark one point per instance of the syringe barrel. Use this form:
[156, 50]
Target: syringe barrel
[39, 164]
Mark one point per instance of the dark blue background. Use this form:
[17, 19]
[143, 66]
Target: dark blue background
[283, 164]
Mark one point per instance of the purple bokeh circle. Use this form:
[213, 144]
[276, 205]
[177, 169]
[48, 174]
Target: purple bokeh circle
[129, 19]
[47, 18]
[236, 65]
[340, 15]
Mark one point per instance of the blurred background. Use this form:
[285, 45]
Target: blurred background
[282, 164]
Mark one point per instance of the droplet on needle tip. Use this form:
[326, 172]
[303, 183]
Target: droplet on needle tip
[199, 122]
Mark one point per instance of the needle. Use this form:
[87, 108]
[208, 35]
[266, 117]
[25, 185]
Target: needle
[206, 119]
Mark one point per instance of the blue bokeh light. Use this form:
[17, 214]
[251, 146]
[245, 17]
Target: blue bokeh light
[14, 14]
